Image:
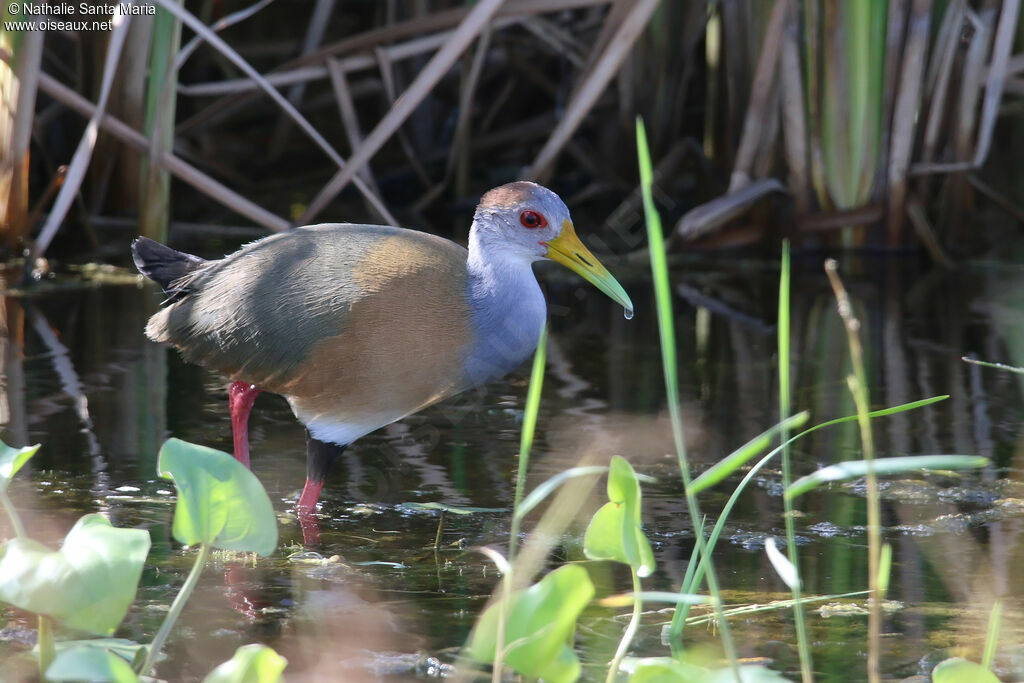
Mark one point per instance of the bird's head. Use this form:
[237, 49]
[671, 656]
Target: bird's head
[530, 222]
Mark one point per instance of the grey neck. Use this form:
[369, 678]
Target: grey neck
[508, 311]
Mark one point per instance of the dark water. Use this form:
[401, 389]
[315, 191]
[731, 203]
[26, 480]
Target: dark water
[78, 376]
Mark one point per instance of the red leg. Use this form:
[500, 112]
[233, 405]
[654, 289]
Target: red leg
[241, 396]
[320, 456]
[306, 510]
[310, 495]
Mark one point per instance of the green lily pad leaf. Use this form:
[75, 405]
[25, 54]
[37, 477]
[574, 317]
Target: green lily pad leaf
[84, 663]
[126, 649]
[220, 502]
[858, 468]
[251, 664]
[539, 625]
[958, 670]
[453, 509]
[751, 673]
[615, 532]
[88, 584]
[11, 460]
[665, 670]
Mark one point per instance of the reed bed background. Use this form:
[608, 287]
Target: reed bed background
[766, 120]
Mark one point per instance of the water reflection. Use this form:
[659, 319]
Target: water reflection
[78, 375]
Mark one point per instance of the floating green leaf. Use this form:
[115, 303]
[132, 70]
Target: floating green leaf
[668, 670]
[251, 664]
[858, 468]
[750, 673]
[122, 647]
[11, 460]
[665, 670]
[727, 465]
[88, 584]
[220, 502]
[86, 663]
[539, 624]
[957, 670]
[615, 532]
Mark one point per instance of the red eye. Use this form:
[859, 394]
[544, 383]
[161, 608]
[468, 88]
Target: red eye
[532, 220]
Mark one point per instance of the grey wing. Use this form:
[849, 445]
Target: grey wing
[256, 314]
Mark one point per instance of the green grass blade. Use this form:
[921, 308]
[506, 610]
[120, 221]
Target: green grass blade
[997, 366]
[654, 596]
[792, 552]
[730, 463]
[695, 568]
[878, 413]
[858, 468]
[526, 436]
[884, 569]
[663, 299]
[992, 637]
[548, 487]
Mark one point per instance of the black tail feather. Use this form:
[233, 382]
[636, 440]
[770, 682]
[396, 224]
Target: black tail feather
[163, 265]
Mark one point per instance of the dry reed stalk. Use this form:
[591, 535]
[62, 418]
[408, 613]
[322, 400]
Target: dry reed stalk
[318, 20]
[161, 106]
[812, 42]
[764, 161]
[586, 96]
[227, 51]
[83, 153]
[925, 232]
[794, 129]
[387, 75]
[459, 153]
[966, 117]
[558, 40]
[905, 116]
[18, 85]
[894, 29]
[996, 198]
[1001, 47]
[939, 71]
[366, 41]
[349, 119]
[705, 218]
[189, 174]
[128, 103]
[617, 13]
[760, 97]
[473, 25]
[971, 82]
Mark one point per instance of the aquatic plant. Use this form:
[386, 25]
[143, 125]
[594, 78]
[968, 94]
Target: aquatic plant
[527, 628]
[89, 584]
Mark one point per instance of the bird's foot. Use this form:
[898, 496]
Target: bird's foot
[241, 396]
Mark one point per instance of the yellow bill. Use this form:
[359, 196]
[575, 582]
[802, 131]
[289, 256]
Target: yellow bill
[571, 253]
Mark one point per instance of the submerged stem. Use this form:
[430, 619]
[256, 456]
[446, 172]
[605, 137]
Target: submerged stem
[176, 607]
[627, 636]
